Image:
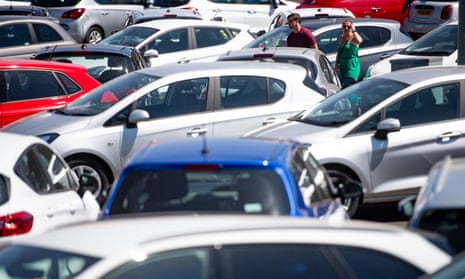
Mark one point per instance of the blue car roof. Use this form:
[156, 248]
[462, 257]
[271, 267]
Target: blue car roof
[217, 150]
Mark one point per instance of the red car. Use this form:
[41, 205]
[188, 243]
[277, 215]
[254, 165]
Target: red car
[30, 86]
[390, 9]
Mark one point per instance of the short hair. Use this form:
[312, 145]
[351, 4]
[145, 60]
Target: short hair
[294, 16]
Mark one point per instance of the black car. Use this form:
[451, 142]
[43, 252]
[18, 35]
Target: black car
[103, 62]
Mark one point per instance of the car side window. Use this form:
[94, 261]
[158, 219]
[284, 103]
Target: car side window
[15, 35]
[43, 171]
[70, 85]
[4, 190]
[328, 71]
[433, 104]
[46, 33]
[328, 41]
[178, 98]
[120, 2]
[373, 36]
[193, 263]
[27, 85]
[244, 91]
[172, 41]
[210, 36]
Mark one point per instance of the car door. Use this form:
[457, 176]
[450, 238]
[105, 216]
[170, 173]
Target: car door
[173, 46]
[176, 110]
[16, 40]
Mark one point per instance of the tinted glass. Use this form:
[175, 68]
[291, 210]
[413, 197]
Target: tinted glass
[46, 33]
[200, 188]
[4, 190]
[26, 85]
[209, 36]
[131, 36]
[439, 42]
[55, 3]
[68, 83]
[20, 261]
[15, 35]
[169, 3]
[175, 40]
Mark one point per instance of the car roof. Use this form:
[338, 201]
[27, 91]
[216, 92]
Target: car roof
[77, 48]
[138, 231]
[318, 23]
[169, 13]
[275, 51]
[221, 67]
[6, 63]
[164, 24]
[27, 18]
[214, 150]
[419, 74]
[13, 145]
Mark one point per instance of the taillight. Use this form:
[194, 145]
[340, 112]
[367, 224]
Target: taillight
[191, 9]
[17, 223]
[446, 12]
[73, 14]
[263, 55]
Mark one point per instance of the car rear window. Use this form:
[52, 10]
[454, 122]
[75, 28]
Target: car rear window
[210, 190]
[55, 3]
[169, 3]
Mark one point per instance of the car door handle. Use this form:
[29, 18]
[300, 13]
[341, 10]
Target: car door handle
[184, 60]
[448, 136]
[251, 11]
[197, 132]
[384, 56]
[268, 121]
[104, 13]
[374, 9]
[72, 210]
[49, 212]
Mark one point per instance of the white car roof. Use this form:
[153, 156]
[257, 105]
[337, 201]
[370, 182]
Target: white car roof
[278, 51]
[310, 12]
[164, 24]
[122, 236]
[13, 145]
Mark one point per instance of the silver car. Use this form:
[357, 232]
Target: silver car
[98, 133]
[317, 64]
[381, 38]
[89, 21]
[385, 132]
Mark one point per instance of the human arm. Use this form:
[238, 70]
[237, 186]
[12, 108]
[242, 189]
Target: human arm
[357, 39]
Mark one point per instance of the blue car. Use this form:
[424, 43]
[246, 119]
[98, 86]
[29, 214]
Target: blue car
[228, 175]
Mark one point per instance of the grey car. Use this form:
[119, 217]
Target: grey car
[23, 36]
[381, 38]
[314, 61]
[91, 20]
[385, 132]
[98, 133]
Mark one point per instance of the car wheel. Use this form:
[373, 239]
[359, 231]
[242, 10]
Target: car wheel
[91, 167]
[339, 176]
[94, 35]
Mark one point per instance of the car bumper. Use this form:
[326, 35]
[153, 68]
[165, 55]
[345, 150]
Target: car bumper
[419, 27]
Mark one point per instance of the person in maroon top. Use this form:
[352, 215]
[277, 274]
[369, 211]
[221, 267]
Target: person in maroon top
[300, 36]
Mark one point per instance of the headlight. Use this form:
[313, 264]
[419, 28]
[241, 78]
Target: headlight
[49, 138]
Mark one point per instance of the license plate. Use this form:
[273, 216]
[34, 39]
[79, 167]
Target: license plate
[424, 12]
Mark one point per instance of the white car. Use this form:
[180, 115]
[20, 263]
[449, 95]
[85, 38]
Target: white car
[217, 246]
[38, 189]
[438, 47]
[98, 133]
[310, 13]
[167, 41]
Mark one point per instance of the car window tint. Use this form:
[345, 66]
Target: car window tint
[178, 98]
[46, 33]
[29, 169]
[70, 85]
[427, 105]
[276, 261]
[55, 3]
[210, 36]
[328, 41]
[373, 36]
[367, 263]
[26, 85]
[4, 190]
[171, 41]
[193, 263]
[15, 35]
[328, 71]
[244, 91]
[248, 191]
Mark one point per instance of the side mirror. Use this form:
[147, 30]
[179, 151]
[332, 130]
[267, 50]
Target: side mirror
[151, 53]
[385, 127]
[406, 206]
[138, 115]
[91, 204]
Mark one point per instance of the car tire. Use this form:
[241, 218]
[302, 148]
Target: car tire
[92, 167]
[338, 176]
[94, 35]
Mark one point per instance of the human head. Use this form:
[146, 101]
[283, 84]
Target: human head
[347, 25]
[293, 17]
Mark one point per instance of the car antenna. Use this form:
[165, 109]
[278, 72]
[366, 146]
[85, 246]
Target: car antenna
[52, 52]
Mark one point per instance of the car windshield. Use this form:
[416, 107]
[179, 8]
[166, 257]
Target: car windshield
[274, 38]
[130, 36]
[201, 188]
[441, 41]
[21, 261]
[107, 94]
[348, 104]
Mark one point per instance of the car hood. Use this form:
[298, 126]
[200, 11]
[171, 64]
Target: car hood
[299, 131]
[48, 122]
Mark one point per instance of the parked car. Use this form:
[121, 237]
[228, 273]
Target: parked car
[103, 62]
[161, 13]
[255, 13]
[381, 38]
[385, 132]
[424, 16]
[30, 86]
[203, 175]
[438, 47]
[453, 270]
[167, 41]
[195, 246]
[438, 207]
[38, 189]
[394, 9]
[165, 103]
[310, 13]
[89, 21]
[23, 9]
[316, 63]
[22, 36]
